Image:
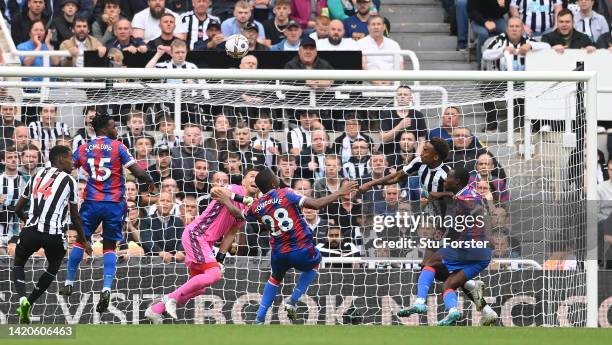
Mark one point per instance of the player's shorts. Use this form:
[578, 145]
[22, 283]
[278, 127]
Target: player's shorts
[30, 241]
[469, 268]
[197, 251]
[111, 214]
[303, 259]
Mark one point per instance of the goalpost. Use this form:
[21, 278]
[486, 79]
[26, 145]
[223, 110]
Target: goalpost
[549, 225]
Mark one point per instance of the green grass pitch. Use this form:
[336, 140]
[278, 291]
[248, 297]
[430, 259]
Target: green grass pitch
[324, 335]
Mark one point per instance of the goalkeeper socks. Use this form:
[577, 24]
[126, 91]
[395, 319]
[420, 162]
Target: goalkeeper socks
[74, 260]
[43, 284]
[267, 299]
[19, 280]
[450, 299]
[110, 266]
[195, 285]
[425, 279]
[302, 285]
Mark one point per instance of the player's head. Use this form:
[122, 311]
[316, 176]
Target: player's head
[248, 181]
[104, 125]
[435, 151]
[267, 180]
[61, 158]
[457, 179]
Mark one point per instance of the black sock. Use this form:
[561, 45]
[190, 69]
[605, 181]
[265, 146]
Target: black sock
[43, 284]
[19, 280]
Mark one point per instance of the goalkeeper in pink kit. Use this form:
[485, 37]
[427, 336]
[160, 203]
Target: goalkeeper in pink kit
[214, 224]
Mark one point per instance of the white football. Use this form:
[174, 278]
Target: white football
[237, 46]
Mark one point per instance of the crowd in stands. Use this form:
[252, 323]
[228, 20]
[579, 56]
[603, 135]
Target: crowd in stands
[307, 159]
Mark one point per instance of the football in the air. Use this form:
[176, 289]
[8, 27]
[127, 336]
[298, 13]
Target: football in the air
[237, 46]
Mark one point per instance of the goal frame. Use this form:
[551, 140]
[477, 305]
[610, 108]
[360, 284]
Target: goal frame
[588, 78]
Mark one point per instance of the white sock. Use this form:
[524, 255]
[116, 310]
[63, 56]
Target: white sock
[419, 300]
[106, 289]
[487, 309]
[22, 298]
[469, 285]
[68, 282]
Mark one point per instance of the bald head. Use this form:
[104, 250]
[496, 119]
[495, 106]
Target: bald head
[248, 62]
[336, 31]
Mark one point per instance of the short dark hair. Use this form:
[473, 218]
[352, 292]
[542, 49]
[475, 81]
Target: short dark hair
[168, 14]
[257, 170]
[565, 12]
[441, 147]
[111, 2]
[264, 180]
[148, 137]
[287, 158]
[100, 121]
[57, 152]
[79, 19]
[10, 149]
[463, 175]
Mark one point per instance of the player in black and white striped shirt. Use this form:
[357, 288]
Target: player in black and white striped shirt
[47, 129]
[538, 16]
[51, 192]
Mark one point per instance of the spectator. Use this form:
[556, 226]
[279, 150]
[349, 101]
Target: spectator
[242, 14]
[248, 62]
[604, 42]
[38, 42]
[162, 167]
[451, 119]
[312, 160]
[302, 11]
[193, 25]
[21, 137]
[291, 42]
[407, 149]
[232, 165]
[590, 22]
[167, 127]
[102, 27]
[356, 26]
[31, 160]
[275, 27]
[146, 23]
[47, 129]
[501, 247]
[536, 20]
[178, 52]
[347, 214]
[143, 151]
[87, 133]
[304, 187]
[391, 200]
[299, 138]
[321, 28]
[337, 245]
[464, 149]
[376, 41]
[62, 26]
[7, 125]
[394, 122]
[565, 37]
[23, 21]
[329, 183]
[352, 132]
[171, 186]
[335, 40]
[12, 184]
[485, 190]
[340, 9]
[217, 179]
[129, 246]
[160, 233]
[221, 136]
[251, 31]
[461, 21]
[167, 25]
[199, 185]
[358, 165]
[287, 165]
[307, 59]
[263, 140]
[318, 225]
[214, 38]
[487, 20]
[183, 157]
[487, 168]
[80, 42]
[124, 40]
[135, 128]
[249, 156]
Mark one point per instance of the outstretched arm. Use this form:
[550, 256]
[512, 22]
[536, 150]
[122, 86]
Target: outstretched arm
[385, 180]
[319, 203]
[142, 176]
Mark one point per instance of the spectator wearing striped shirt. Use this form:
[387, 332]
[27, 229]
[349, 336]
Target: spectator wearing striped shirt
[343, 145]
[537, 17]
[12, 184]
[590, 22]
[299, 138]
[31, 160]
[136, 126]
[178, 52]
[192, 25]
[46, 130]
[87, 133]
[7, 124]
[358, 165]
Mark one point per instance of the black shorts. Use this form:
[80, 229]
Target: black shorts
[30, 241]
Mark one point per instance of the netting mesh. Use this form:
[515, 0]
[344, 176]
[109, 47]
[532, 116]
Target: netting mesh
[208, 133]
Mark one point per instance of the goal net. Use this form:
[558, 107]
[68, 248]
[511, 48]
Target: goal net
[196, 133]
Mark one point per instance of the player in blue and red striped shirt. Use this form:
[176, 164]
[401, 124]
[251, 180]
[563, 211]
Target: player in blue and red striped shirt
[103, 160]
[291, 238]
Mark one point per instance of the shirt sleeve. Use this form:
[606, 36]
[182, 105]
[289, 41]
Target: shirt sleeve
[74, 191]
[76, 159]
[249, 215]
[126, 157]
[28, 188]
[414, 165]
[138, 21]
[182, 25]
[295, 198]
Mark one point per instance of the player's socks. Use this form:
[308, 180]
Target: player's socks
[110, 266]
[19, 280]
[267, 299]
[302, 285]
[450, 299]
[42, 285]
[74, 260]
[426, 278]
[195, 285]
[158, 308]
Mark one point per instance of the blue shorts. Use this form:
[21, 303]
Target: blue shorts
[469, 268]
[303, 259]
[110, 214]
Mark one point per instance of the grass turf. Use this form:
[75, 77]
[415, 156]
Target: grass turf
[328, 335]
